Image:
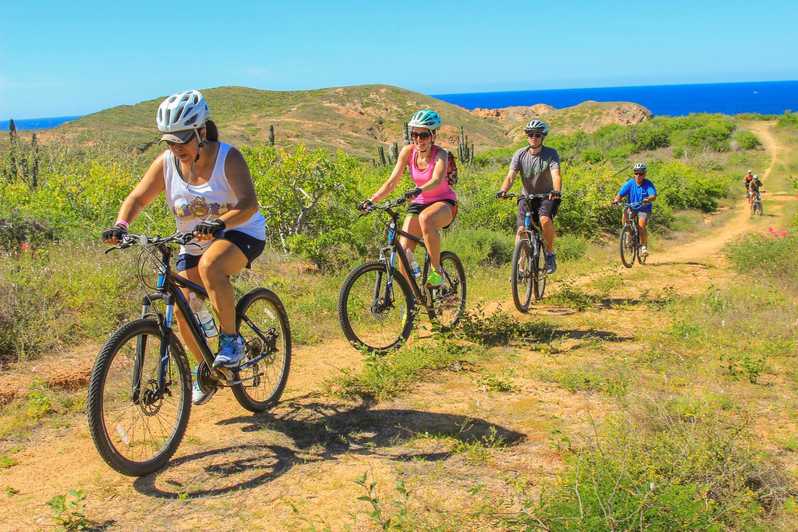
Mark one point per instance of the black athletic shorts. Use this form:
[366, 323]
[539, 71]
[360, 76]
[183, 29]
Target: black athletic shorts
[541, 207]
[416, 208]
[250, 246]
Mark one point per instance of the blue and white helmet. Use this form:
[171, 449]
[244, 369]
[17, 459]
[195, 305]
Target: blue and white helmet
[425, 118]
[640, 167]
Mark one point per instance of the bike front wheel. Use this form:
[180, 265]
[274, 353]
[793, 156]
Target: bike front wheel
[449, 300]
[539, 275]
[522, 281]
[137, 423]
[262, 321]
[628, 246]
[376, 308]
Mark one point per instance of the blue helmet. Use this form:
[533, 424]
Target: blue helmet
[425, 118]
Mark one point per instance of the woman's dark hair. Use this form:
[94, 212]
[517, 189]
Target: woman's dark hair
[211, 131]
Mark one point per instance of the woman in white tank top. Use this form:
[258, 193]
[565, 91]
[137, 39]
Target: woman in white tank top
[210, 191]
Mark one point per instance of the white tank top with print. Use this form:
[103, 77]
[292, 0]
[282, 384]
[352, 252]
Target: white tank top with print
[192, 204]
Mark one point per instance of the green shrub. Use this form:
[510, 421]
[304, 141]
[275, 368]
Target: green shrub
[481, 246]
[767, 255]
[570, 247]
[746, 140]
[660, 470]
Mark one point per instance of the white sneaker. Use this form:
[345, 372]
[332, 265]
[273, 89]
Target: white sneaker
[643, 251]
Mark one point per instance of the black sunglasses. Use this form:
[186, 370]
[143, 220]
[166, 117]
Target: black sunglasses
[420, 135]
[534, 135]
[640, 173]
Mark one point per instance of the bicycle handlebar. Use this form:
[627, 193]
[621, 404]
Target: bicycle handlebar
[130, 239]
[384, 206]
[528, 196]
[625, 204]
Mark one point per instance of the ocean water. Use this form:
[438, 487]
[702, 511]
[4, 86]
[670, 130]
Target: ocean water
[37, 123]
[767, 97]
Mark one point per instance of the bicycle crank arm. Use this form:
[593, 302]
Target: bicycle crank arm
[255, 360]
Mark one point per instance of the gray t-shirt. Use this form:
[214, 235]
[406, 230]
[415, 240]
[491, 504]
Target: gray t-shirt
[536, 169]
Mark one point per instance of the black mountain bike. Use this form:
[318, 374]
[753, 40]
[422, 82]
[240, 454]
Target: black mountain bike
[630, 236]
[377, 304]
[140, 389]
[529, 257]
[756, 203]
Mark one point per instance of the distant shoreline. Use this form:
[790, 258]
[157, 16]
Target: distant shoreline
[34, 124]
[765, 97]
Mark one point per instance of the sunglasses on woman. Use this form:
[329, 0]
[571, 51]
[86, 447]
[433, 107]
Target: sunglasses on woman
[535, 135]
[423, 135]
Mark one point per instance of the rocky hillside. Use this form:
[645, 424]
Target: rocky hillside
[587, 116]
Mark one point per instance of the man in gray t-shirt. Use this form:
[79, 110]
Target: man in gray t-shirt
[540, 174]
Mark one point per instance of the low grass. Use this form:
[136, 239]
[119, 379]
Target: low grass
[41, 406]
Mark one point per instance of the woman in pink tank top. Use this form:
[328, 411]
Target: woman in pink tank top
[434, 203]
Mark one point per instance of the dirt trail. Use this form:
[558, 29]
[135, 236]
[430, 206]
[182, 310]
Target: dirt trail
[294, 467]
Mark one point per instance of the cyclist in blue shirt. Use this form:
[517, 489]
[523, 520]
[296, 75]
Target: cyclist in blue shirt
[639, 190]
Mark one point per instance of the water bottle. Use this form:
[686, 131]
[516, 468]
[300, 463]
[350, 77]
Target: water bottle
[415, 269]
[204, 316]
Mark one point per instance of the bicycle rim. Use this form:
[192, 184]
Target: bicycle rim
[522, 280]
[540, 271]
[376, 315]
[449, 300]
[135, 427]
[263, 323]
[627, 246]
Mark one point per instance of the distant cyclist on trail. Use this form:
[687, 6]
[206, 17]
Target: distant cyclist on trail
[210, 191]
[539, 166]
[434, 202]
[639, 190]
[749, 180]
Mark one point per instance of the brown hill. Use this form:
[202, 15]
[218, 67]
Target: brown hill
[355, 119]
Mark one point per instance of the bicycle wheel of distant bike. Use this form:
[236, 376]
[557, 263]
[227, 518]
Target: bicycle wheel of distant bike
[449, 299]
[376, 308]
[263, 323]
[136, 422]
[628, 246]
[523, 278]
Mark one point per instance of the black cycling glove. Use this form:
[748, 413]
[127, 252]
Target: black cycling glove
[412, 193]
[209, 227]
[365, 205]
[501, 194]
[115, 233]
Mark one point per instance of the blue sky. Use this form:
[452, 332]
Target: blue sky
[63, 58]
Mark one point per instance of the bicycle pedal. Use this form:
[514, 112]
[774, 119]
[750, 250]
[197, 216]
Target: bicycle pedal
[225, 375]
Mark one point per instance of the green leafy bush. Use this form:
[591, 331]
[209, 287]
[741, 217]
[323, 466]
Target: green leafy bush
[746, 140]
[479, 247]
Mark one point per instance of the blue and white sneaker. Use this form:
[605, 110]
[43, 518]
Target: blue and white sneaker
[231, 351]
[198, 397]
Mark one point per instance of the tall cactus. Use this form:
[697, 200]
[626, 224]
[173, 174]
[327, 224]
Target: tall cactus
[271, 135]
[394, 153]
[381, 152]
[33, 162]
[12, 170]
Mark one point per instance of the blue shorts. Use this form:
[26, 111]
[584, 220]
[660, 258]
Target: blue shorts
[250, 246]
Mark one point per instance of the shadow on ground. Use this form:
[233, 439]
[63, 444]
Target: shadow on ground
[311, 431]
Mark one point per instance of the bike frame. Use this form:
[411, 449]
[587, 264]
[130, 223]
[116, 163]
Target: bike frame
[394, 250]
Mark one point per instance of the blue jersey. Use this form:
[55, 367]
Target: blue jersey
[635, 193]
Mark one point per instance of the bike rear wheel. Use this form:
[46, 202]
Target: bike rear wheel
[376, 315]
[135, 426]
[263, 322]
[628, 246]
[449, 299]
[522, 280]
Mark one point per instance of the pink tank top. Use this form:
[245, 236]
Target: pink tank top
[442, 192]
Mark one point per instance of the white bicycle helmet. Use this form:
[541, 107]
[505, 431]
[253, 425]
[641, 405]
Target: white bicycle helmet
[181, 115]
[538, 126]
[640, 167]
[425, 118]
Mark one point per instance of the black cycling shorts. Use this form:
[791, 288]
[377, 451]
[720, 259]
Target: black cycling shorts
[416, 208]
[250, 246]
[541, 207]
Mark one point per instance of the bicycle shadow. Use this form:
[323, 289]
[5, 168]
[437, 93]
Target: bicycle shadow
[312, 431]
